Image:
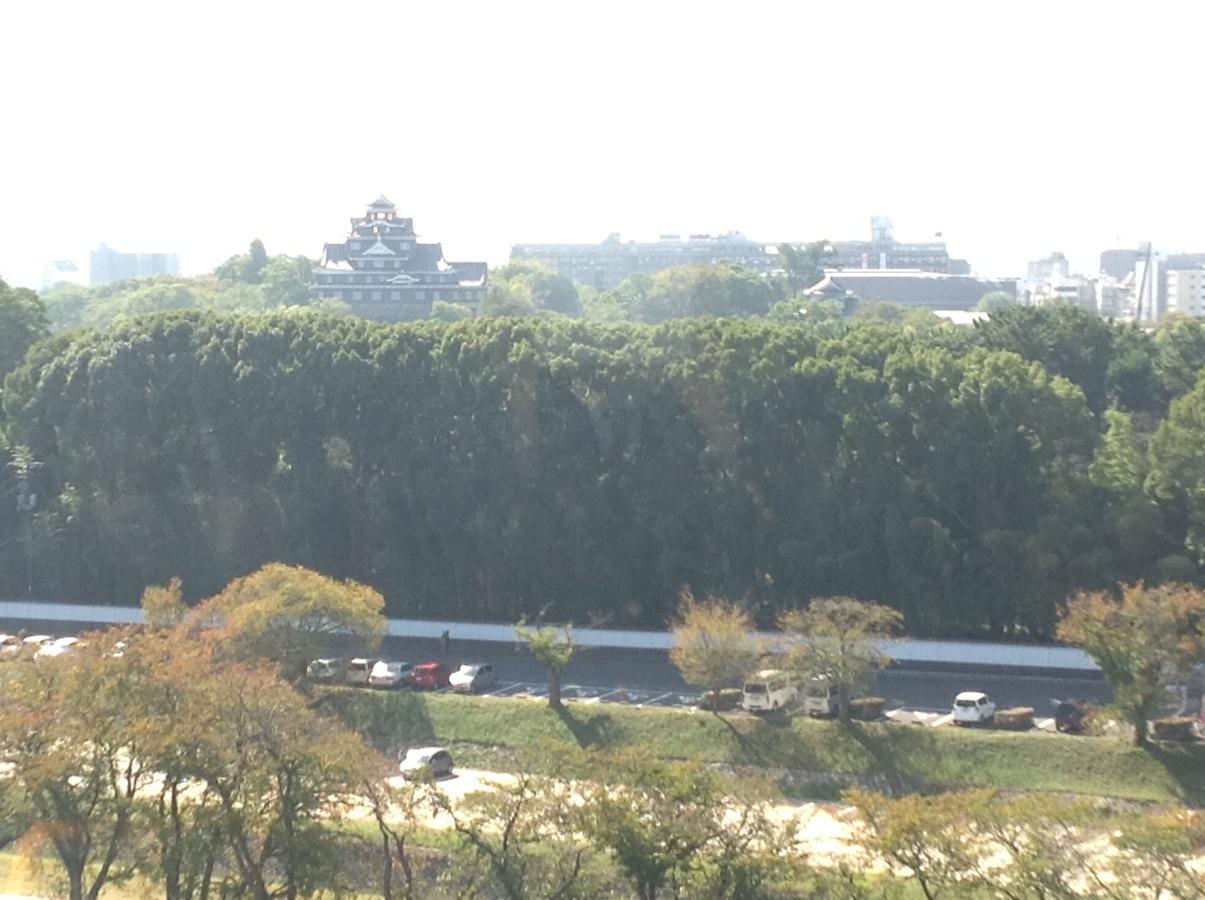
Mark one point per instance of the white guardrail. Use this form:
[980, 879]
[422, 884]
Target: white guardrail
[967, 653]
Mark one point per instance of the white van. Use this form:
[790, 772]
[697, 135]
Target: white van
[359, 669]
[768, 690]
[820, 697]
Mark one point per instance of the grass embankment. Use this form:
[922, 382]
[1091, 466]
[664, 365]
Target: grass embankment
[908, 756]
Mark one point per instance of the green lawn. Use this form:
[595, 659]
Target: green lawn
[904, 755]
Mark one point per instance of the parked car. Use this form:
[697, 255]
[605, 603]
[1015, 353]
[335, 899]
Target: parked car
[473, 677]
[1069, 716]
[425, 762]
[820, 697]
[36, 640]
[430, 676]
[326, 669]
[769, 690]
[10, 645]
[359, 669]
[387, 674]
[55, 648]
[973, 708]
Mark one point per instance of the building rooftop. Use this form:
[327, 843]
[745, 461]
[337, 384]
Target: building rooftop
[908, 287]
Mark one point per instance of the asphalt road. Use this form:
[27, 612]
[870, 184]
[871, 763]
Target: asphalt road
[651, 670]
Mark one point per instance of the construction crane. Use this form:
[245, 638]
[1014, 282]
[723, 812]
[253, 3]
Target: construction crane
[1145, 250]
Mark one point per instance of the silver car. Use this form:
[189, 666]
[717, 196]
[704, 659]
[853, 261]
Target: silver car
[473, 677]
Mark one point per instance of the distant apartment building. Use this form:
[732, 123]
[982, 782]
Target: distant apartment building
[1112, 296]
[1048, 268]
[1185, 291]
[606, 264]
[883, 251]
[107, 265]
[59, 272]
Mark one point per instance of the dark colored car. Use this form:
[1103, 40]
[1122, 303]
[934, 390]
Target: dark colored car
[430, 675]
[1069, 715]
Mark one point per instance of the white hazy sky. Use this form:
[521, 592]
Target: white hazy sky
[1013, 128]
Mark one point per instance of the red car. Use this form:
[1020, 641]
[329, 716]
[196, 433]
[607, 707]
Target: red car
[430, 675]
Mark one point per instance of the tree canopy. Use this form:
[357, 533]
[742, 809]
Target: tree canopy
[497, 466]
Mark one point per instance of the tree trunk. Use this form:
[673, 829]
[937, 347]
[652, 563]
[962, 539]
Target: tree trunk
[554, 688]
[386, 869]
[1139, 719]
[843, 703]
[75, 881]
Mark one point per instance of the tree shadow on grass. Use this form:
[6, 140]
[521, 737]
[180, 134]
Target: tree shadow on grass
[595, 729]
[391, 720]
[884, 756]
[1185, 764]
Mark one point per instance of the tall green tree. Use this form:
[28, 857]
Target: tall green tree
[23, 322]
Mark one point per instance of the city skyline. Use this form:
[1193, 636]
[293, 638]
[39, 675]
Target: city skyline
[785, 124]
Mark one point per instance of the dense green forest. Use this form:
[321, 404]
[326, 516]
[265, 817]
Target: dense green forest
[498, 465]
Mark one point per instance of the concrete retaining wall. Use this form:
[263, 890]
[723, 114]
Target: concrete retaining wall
[1035, 657]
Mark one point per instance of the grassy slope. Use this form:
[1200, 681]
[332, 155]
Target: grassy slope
[909, 755]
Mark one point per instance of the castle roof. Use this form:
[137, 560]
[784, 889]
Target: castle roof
[379, 249]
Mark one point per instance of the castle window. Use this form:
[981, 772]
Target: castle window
[357, 295]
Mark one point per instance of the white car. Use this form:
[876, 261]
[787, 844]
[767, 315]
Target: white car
[973, 708]
[389, 674]
[425, 762]
[55, 648]
[473, 677]
[10, 645]
[34, 642]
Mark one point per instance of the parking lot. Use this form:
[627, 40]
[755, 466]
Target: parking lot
[647, 678]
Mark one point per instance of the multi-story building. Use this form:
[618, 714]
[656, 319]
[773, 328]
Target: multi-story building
[1185, 291]
[1113, 296]
[107, 264]
[606, 264]
[883, 251]
[907, 287]
[383, 272]
[60, 271]
[1048, 268]
[1119, 263]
